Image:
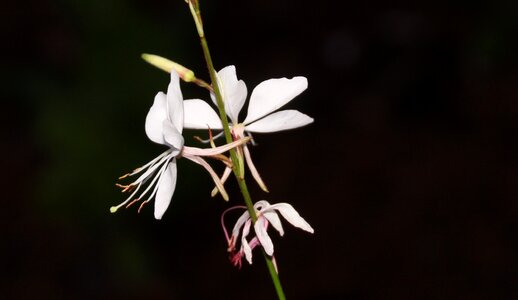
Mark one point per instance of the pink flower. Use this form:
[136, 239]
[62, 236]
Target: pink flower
[266, 214]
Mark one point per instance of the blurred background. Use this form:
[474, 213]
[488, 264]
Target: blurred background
[409, 174]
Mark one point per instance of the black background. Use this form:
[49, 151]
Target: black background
[408, 175]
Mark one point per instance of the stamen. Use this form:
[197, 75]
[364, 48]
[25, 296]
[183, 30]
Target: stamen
[155, 189]
[132, 202]
[153, 168]
[142, 205]
[113, 209]
[161, 161]
[252, 141]
[199, 139]
[155, 183]
[155, 178]
[124, 187]
[139, 169]
[210, 138]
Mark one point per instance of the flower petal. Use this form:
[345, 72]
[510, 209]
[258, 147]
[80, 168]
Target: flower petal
[261, 205]
[172, 137]
[272, 94]
[233, 91]
[155, 117]
[199, 115]
[260, 231]
[175, 102]
[274, 219]
[166, 186]
[281, 120]
[240, 222]
[244, 243]
[292, 216]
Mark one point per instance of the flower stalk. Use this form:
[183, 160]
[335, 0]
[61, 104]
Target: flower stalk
[236, 166]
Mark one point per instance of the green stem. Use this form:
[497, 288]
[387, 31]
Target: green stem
[195, 10]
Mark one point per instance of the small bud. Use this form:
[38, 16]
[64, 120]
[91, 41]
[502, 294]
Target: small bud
[168, 65]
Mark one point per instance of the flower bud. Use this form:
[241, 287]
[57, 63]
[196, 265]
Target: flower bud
[168, 65]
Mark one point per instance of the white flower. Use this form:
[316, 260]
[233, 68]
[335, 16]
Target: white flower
[164, 125]
[266, 214]
[266, 98]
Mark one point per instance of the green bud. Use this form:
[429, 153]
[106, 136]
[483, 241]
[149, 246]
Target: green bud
[168, 65]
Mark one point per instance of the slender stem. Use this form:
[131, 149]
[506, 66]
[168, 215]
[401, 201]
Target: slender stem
[195, 10]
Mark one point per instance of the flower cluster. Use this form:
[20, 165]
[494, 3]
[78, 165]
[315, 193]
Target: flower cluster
[170, 114]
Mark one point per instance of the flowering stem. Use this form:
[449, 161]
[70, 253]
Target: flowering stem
[195, 11]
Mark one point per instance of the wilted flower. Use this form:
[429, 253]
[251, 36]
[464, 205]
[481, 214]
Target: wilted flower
[266, 214]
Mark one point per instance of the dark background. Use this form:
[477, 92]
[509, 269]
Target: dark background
[408, 175]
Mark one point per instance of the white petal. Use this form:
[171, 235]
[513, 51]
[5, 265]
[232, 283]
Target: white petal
[172, 137]
[292, 216]
[274, 219]
[166, 186]
[281, 120]
[155, 117]
[260, 205]
[199, 115]
[244, 243]
[262, 235]
[272, 94]
[233, 91]
[175, 102]
[240, 222]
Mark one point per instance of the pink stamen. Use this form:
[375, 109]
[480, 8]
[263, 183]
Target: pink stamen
[236, 258]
